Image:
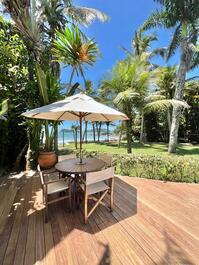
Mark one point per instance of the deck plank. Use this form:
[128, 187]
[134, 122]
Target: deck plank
[152, 223]
[22, 239]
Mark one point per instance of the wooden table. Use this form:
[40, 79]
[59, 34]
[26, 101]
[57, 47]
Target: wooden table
[72, 166]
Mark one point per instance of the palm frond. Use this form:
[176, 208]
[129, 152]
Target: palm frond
[152, 98]
[3, 107]
[159, 51]
[193, 78]
[23, 14]
[73, 50]
[156, 19]
[126, 96]
[195, 61]
[163, 105]
[85, 15]
[175, 42]
[41, 77]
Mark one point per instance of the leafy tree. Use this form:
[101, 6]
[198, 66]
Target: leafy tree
[36, 22]
[191, 124]
[141, 46]
[127, 87]
[17, 92]
[183, 16]
[141, 43]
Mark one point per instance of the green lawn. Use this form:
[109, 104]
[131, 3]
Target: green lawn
[151, 149]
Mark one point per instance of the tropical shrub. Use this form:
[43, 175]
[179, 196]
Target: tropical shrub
[18, 92]
[179, 169]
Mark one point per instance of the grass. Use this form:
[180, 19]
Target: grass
[139, 149]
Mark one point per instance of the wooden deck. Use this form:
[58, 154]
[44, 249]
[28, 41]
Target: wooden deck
[152, 223]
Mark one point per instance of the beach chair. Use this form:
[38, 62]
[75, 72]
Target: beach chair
[62, 187]
[93, 184]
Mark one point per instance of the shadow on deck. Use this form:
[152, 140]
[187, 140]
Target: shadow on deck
[134, 233]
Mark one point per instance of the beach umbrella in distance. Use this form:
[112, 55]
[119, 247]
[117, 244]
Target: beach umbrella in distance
[79, 107]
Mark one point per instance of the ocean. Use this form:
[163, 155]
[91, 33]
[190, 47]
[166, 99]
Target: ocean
[68, 136]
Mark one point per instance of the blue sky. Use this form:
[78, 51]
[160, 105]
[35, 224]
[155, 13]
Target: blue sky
[125, 18]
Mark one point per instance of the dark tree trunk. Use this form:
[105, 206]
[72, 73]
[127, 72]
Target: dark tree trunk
[129, 135]
[63, 141]
[107, 130]
[93, 125]
[85, 136]
[76, 138]
[56, 137]
[19, 157]
[98, 127]
[142, 129]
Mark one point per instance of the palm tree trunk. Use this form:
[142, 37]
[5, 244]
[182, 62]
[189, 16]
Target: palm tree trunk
[86, 132]
[169, 119]
[28, 155]
[129, 135]
[98, 126]
[93, 125]
[47, 143]
[19, 157]
[142, 128]
[180, 81]
[55, 137]
[63, 138]
[71, 78]
[75, 137]
[120, 138]
[107, 130]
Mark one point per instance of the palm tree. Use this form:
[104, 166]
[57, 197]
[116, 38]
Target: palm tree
[141, 43]
[127, 88]
[166, 80]
[183, 16]
[73, 50]
[57, 14]
[75, 129]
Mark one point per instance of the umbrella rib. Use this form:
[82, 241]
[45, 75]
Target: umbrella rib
[35, 114]
[62, 115]
[105, 117]
[84, 114]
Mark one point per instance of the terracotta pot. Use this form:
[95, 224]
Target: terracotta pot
[47, 159]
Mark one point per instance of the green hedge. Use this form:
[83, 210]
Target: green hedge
[171, 168]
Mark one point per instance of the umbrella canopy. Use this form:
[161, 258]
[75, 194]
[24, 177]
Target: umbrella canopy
[79, 107]
[75, 106]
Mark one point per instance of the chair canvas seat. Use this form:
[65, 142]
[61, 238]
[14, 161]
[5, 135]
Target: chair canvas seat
[95, 187]
[57, 187]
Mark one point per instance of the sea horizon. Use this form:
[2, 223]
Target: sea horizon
[68, 136]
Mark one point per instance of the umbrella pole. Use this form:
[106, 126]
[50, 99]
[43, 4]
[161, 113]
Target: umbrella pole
[80, 142]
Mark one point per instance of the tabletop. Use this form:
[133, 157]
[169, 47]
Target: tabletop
[72, 166]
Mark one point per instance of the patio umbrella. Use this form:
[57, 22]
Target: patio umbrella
[79, 107]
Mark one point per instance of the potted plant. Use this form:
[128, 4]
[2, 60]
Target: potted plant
[47, 158]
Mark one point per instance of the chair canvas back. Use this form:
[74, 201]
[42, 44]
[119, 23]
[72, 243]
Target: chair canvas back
[98, 176]
[40, 174]
[106, 158]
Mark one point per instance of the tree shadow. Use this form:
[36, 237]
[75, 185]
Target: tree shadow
[106, 258]
[174, 254]
[182, 151]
